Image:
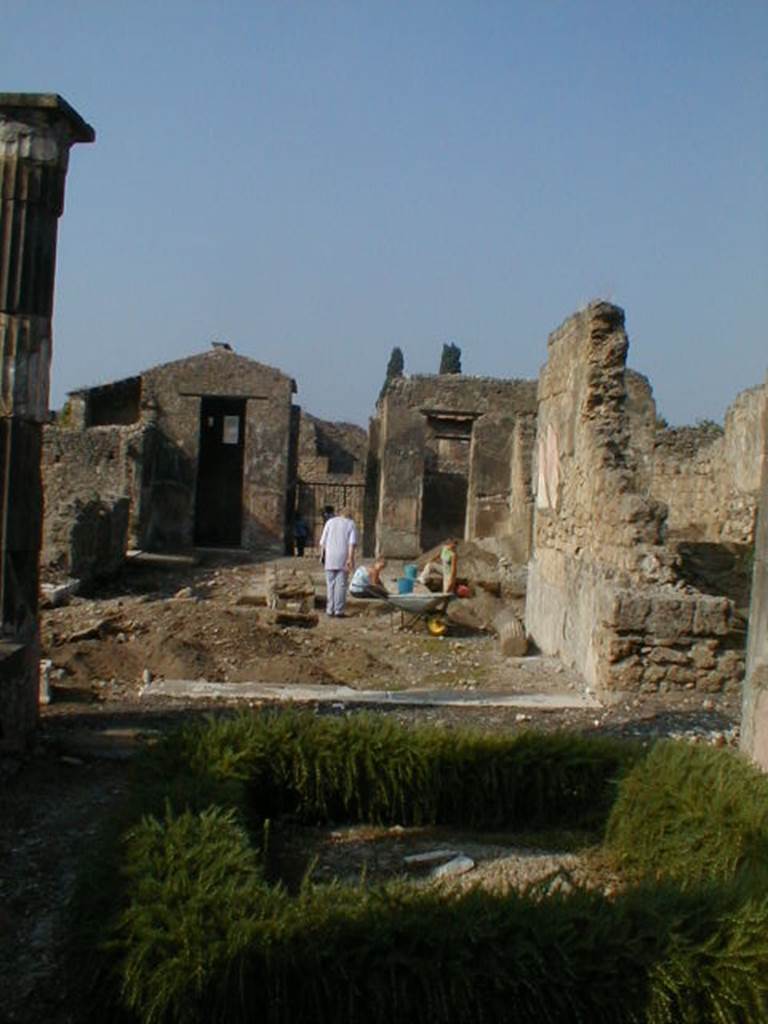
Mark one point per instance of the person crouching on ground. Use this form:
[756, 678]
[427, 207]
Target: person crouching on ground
[366, 581]
[337, 553]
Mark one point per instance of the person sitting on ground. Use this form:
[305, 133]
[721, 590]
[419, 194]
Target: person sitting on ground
[366, 580]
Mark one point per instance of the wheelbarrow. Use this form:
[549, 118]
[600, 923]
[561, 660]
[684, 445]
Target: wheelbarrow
[429, 608]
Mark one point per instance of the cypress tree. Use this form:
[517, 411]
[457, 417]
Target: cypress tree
[395, 368]
[450, 360]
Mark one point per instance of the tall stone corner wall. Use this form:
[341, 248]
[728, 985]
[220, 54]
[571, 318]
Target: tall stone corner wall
[754, 731]
[603, 594]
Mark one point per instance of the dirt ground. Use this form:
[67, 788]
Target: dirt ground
[183, 621]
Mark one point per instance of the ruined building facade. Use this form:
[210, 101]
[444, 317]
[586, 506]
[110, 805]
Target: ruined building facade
[37, 132]
[192, 452]
[450, 455]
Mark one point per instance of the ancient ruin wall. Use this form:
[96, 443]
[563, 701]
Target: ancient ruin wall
[710, 479]
[91, 483]
[602, 591]
[491, 409]
[331, 471]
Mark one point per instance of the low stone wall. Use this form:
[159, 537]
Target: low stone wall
[625, 636]
[659, 639]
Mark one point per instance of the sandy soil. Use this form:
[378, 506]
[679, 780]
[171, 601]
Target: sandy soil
[185, 622]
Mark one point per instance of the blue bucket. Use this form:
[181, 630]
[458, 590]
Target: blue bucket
[411, 571]
[405, 585]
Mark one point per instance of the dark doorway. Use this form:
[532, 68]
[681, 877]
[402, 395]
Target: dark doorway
[219, 500]
[444, 508]
[446, 472]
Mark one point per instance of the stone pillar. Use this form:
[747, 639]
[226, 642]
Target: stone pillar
[754, 722]
[36, 133]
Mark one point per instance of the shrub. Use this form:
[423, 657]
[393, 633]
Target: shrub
[195, 934]
[371, 769]
[691, 814]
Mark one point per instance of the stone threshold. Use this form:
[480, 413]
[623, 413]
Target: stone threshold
[250, 691]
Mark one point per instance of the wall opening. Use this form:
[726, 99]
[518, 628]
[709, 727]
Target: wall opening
[219, 495]
[446, 475]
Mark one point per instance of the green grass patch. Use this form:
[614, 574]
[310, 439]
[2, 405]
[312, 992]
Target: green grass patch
[177, 920]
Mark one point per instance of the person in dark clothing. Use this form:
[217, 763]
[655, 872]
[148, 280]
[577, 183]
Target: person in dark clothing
[300, 535]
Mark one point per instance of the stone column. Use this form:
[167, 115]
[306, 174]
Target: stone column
[36, 133]
[754, 721]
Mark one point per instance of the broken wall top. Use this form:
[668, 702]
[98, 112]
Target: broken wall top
[327, 447]
[462, 394]
[587, 473]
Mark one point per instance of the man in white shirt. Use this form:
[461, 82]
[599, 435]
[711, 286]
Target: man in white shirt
[337, 553]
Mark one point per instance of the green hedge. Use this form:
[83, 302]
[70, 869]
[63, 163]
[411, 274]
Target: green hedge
[692, 814]
[371, 769]
[186, 929]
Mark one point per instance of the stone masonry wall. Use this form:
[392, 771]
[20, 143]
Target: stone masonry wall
[174, 390]
[91, 480]
[492, 408]
[331, 471]
[710, 479]
[603, 594]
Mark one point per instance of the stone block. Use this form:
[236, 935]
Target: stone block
[713, 616]
[681, 676]
[625, 675]
[703, 655]
[654, 674]
[616, 648]
[669, 656]
[624, 610]
[671, 616]
[710, 682]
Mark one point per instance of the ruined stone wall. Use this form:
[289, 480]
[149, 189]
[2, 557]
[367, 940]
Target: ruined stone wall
[91, 481]
[640, 409]
[754, 729]
[602, 589]
[407, 414]
[710, 479]
[331, 471]
[174, 391]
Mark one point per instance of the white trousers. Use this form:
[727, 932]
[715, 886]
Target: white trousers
[336, 584]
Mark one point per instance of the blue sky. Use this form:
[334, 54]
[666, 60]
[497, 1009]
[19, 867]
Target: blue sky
[316, 182]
